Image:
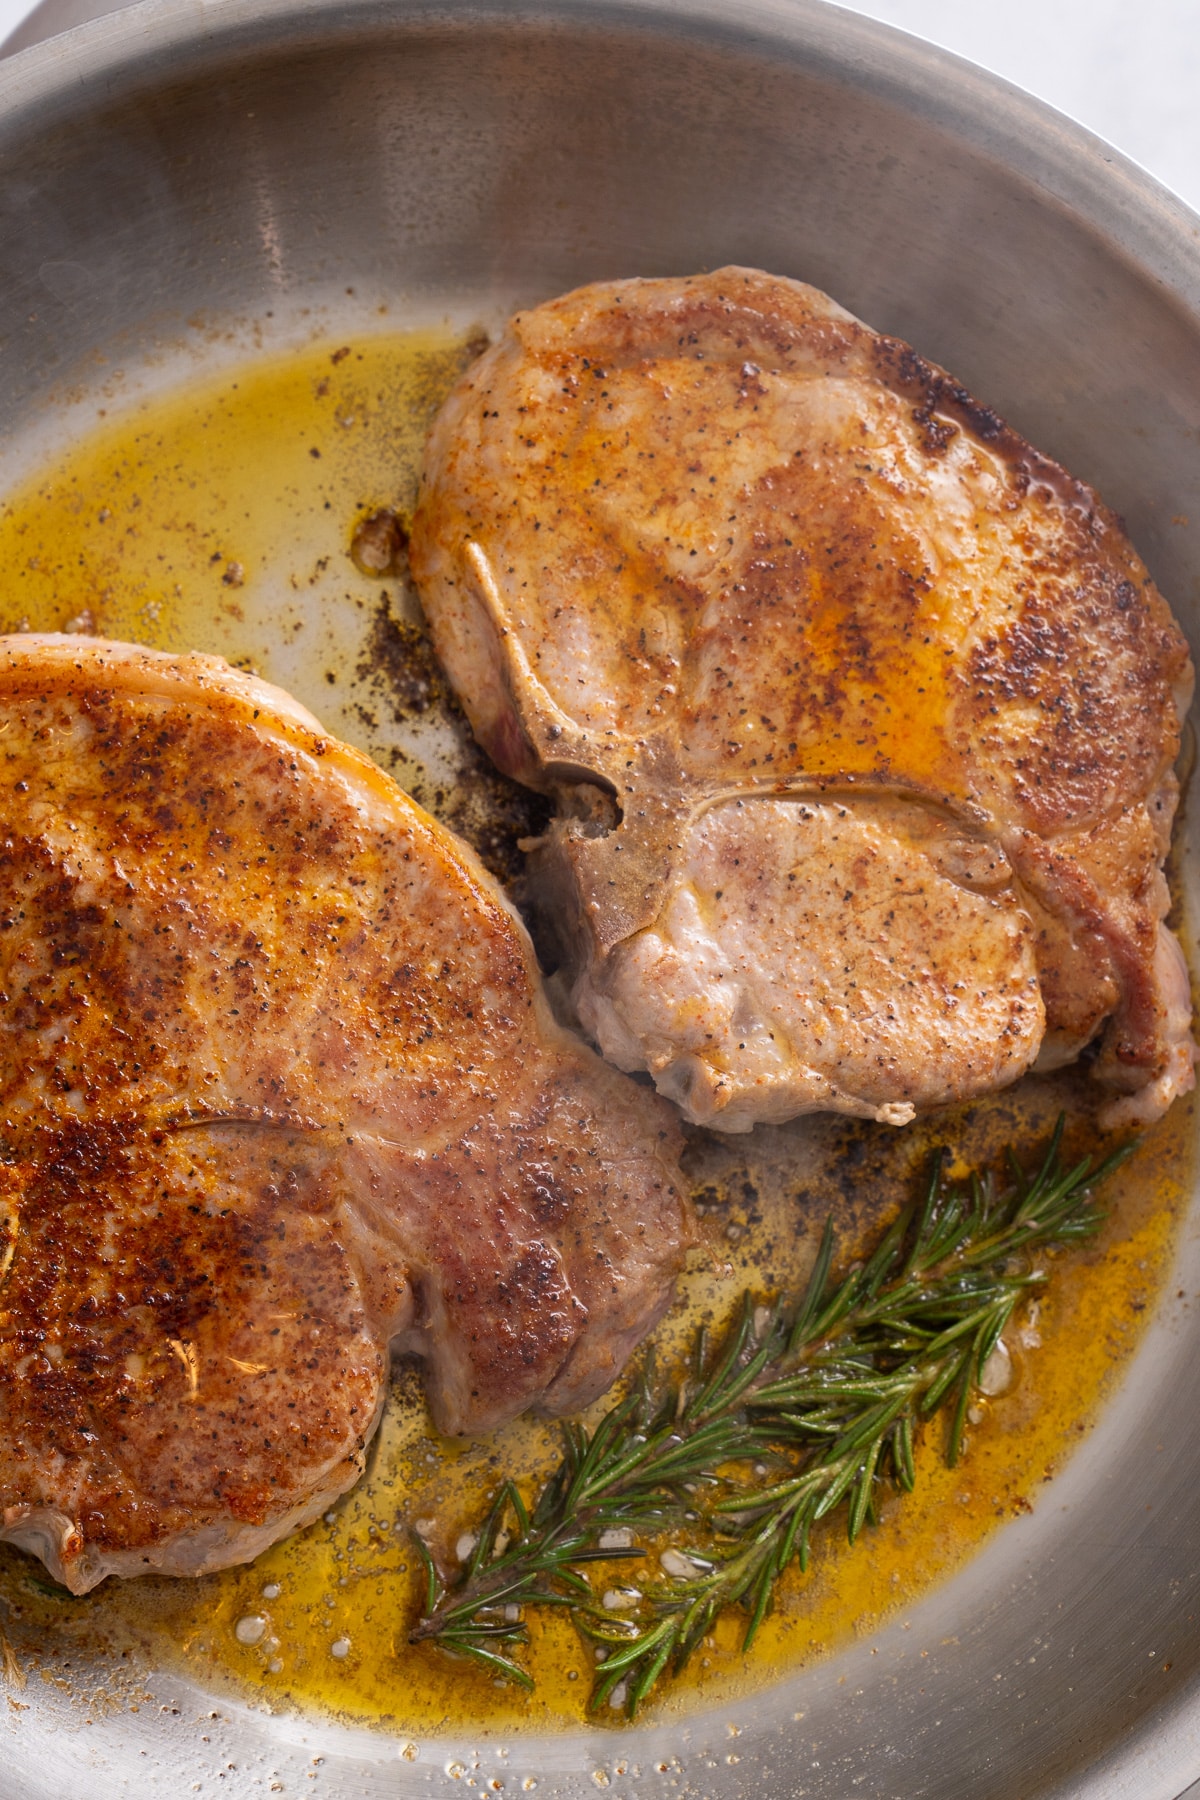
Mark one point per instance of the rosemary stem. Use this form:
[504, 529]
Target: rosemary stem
[828, 1400]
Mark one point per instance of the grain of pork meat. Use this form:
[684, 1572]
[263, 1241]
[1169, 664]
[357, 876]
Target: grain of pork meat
[861, 714]
[280, 1090]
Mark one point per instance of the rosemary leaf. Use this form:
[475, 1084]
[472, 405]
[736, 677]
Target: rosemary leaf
[828, 1397]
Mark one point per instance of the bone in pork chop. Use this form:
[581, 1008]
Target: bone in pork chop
[861, 714]
[280, 1089]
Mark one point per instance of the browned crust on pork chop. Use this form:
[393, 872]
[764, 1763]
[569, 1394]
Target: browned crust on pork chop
[690, 542]
[278, 1090]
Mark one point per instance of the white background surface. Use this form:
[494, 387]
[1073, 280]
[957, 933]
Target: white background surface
[1128, 69]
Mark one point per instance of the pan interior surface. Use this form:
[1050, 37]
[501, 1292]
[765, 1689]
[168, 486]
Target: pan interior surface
[181, 185]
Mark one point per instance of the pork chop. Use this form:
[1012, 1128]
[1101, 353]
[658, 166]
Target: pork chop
[860, 713]
[280, 1090]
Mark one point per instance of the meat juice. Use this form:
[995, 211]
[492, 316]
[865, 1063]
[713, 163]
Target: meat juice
[222, 517]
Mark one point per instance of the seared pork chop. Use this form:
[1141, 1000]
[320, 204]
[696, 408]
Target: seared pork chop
[279, 1090]
[861, 713]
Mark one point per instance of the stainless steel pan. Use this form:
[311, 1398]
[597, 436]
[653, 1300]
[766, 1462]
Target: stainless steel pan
[187, 160]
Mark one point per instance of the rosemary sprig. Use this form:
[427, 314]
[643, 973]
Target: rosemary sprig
[826, 1398]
